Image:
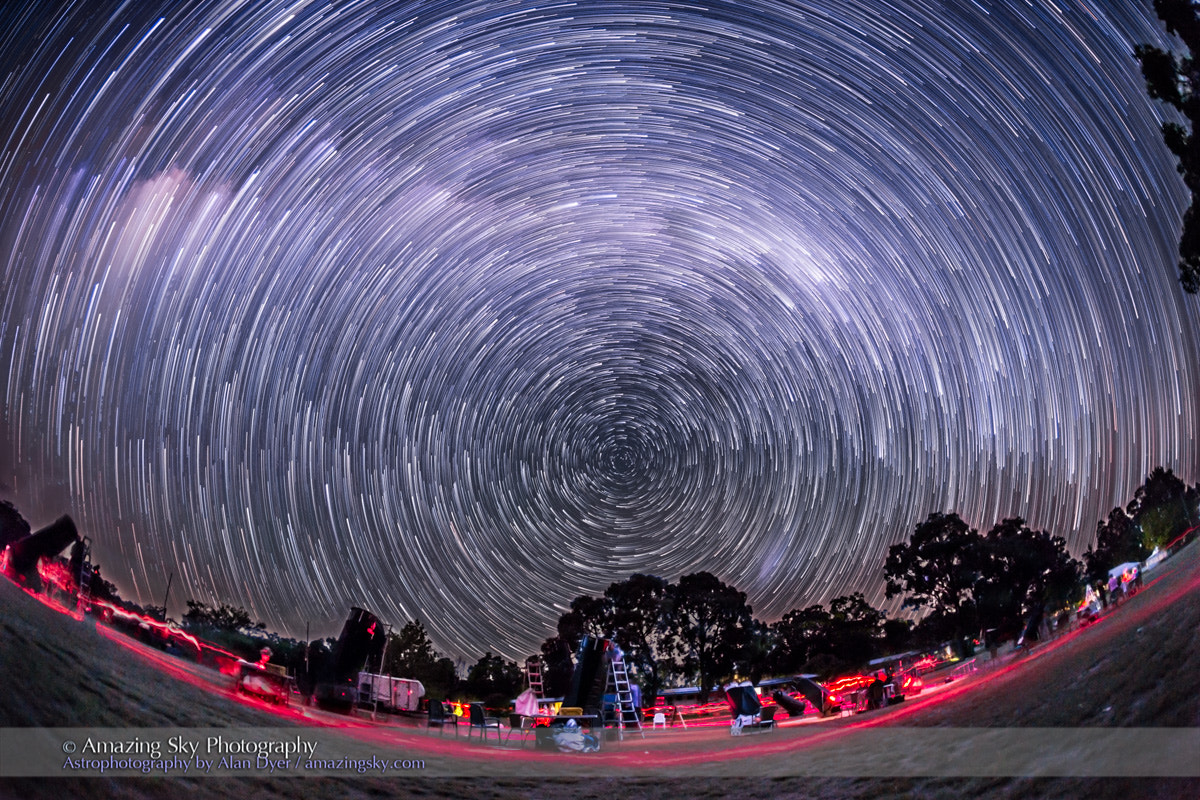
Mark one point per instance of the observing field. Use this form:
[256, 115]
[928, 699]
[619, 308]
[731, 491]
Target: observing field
[1134, 668]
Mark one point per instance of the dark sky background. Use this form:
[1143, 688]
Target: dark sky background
[459, 310]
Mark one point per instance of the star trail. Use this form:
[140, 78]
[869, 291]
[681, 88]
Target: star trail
[458, 310]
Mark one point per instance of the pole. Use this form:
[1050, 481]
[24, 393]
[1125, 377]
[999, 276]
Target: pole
[374, 688]
[167, 595]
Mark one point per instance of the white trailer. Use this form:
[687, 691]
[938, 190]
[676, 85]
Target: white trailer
[394, 694]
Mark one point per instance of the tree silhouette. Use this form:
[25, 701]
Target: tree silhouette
[202, 616]
[493, 680]
[709, 623]
[409, 651]
[557, 666]
[1176, 81]
[1163, 508]
[635, 614]
[798, 636]
[756, 650]
[1117, 540]
[589, 616]
[845, 637]
[410, 654]
[1020, 571]
[855, 629]
[937, 569]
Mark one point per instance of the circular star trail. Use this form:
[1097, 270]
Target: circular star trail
[459, 310]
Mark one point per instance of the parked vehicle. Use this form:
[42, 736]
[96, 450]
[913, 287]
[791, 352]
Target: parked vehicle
[392, 694]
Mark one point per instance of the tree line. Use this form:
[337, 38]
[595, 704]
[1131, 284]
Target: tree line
[1175, 80]
[967, 587]
[964, 586]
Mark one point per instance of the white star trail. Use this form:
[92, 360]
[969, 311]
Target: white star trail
[459, 310]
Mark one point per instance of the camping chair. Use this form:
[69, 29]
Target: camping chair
[518, 724]
[480, 720]
[766, 718]
[439, 718]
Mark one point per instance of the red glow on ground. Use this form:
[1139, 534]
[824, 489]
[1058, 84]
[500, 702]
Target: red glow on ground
[705, 739]
[165, 630]
[48, 602]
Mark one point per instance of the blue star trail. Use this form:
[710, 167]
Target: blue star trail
[459, 310]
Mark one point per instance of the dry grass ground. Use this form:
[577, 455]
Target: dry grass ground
[1136, 668]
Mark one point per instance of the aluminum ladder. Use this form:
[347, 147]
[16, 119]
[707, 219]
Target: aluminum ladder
[533, 674]
[83, 593]
[627, 716]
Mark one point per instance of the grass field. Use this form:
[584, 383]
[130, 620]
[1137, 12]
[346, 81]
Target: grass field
[1134, 669]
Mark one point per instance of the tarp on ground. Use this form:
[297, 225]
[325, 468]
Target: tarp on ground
[526, 703]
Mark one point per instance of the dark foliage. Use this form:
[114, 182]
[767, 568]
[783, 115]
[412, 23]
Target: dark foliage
[1175, 80]
[410, 654]
[1021, 571]
[1163, 508]
[490, 678]
[708, 623]
[557, 666]
[799, 636]
[938, 569]
[635, 615]
[203, 617]
[1117, 540]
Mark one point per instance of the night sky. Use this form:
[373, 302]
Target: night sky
[459, 310]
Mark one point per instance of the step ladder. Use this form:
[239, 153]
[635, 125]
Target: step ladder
[533, 674]
[627, 716]
[83, 597]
